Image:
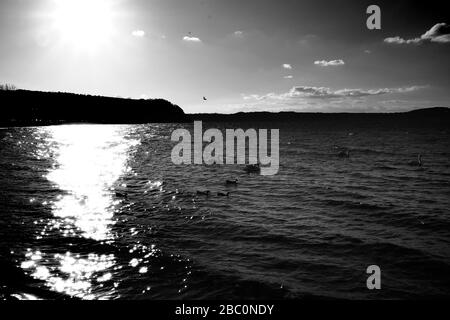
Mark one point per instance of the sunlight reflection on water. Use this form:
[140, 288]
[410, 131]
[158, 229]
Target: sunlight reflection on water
[87, 162]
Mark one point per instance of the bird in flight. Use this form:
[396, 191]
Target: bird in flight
[204, 98]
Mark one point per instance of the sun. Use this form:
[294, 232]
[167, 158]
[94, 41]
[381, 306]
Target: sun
[84, 24]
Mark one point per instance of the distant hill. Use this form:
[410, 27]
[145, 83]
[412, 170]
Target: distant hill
[438, 111]
[431, 115]
[24, 107]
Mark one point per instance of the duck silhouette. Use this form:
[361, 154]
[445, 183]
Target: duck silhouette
[253, 168]
[121, 195]
[417, 163]
[231, 182]
[203, 193]
[344, 154]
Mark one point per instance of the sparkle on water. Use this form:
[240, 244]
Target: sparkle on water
[88, 160]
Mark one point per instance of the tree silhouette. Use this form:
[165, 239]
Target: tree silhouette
[24, 107]
[8, 87]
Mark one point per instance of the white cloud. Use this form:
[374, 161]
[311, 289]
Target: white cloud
[191, 39]
[238, 34]
[439, 33]
[288, 77]
[398, 40]
[287, 66]
[332, 63]
[323, 99]
[367, 51]
[138, 33]
[327, 93]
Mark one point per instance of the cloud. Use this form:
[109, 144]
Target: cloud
[191, 39]
[398, 40]
[323, 99]
[332, 63]
[367, 51]
[327, 93]
[288, 77]
[238, 34]
[138, 33]
[439, 33]
[287, 66]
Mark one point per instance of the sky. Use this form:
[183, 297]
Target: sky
[242, 55]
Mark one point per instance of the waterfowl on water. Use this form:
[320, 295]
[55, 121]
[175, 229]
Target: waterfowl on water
[232, 182]
[223, 194]
[121, 194]
[417, 163]
[253, 168]
[344, 154]
[203, 193]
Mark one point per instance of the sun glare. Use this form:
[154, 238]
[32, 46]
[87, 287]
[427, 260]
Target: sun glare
[84, 24]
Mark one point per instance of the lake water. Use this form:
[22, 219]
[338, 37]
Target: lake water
[100, 212]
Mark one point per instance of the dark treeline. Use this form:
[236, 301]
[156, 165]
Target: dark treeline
[24, 108]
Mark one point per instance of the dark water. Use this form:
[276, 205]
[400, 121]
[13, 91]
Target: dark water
[100, 212]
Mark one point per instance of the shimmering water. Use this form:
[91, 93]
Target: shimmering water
[100, 212]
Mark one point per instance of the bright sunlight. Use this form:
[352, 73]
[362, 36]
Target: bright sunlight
[84, 25]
